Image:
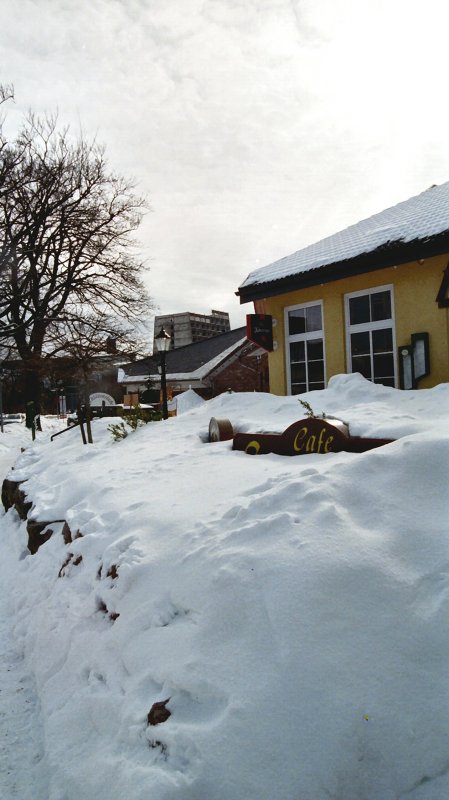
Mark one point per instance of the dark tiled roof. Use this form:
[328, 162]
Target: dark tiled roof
[189, 358]
[415, 228]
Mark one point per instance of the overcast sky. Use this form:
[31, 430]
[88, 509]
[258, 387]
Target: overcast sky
[255, 127]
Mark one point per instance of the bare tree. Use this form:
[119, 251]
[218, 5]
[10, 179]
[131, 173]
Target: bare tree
[6, 92]
[66, 242]
[84, 340]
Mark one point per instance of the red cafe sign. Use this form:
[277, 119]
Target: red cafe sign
[310, 435]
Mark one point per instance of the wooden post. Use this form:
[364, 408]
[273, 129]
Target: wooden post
[79, 413]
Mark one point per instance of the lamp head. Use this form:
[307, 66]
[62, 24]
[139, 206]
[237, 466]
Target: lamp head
[162, 341]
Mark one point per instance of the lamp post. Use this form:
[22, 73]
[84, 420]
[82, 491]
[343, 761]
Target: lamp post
[163, 344]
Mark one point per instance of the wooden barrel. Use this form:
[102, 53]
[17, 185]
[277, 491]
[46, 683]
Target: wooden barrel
[220, 429]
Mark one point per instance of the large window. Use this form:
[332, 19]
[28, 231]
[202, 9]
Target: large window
[370, 334]
[305, 348]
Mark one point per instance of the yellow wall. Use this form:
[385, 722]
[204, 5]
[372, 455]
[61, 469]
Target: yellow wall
[415, 288]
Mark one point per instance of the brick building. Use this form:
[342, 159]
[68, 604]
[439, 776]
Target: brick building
[210, 367]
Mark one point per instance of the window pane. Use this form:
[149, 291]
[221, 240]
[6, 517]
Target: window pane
[359, 309]
[314, 349]
[383, 341]
[297, 352]
[380, 306]
[385, 381]
[305, 325]
[383, 366]
[362, 364]
[297, 321]
[298, 373]
[316, 371]
[313, 317]
[315, 386]
[360, 343]
[299, 388]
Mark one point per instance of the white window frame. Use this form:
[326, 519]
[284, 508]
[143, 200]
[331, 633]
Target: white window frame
[371, 326]
[302, 337]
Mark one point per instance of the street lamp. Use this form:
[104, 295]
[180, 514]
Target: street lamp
[163, 344]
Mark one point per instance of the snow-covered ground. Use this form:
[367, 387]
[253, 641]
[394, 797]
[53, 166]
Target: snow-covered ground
[292, 611]
[23, 768]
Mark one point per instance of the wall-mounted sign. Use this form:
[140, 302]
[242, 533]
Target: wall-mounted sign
[259, 329]
[414, 360]
[310, 435]
[421, 355]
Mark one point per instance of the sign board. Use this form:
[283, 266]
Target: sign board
[259, 329]
[131, 399]
[99, 398]
[310, 435]
[414, 361]
[421, 357]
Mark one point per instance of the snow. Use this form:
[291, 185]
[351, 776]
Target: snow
[185, 401]
[419, 218]
[292, 609]
[195, 374]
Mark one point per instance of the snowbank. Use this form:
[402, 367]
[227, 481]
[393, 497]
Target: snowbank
[293, 610]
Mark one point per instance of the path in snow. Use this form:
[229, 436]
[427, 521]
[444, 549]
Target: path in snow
[23, 770]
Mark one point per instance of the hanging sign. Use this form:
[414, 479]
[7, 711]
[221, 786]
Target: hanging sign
[259, 329]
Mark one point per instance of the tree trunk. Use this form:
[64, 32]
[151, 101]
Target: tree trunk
[87, 406]
[32, 385]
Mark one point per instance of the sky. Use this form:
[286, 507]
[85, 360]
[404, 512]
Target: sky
[253, 127]
[290, 613]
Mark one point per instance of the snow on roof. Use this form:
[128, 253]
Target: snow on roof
[204, 369]
[194, 374]
[419, 218]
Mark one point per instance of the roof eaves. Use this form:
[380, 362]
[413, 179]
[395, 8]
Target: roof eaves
[388, 255]
[214, 362]
[230, 355]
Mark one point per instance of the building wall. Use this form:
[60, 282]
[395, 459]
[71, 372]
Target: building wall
[415, 289]
[187, 327]
[244, 374]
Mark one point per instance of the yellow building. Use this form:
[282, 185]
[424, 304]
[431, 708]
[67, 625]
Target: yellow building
[371, 299]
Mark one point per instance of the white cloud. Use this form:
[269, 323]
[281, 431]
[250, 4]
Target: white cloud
[255, 127]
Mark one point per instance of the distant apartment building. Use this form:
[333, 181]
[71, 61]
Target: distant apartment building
[187, 328]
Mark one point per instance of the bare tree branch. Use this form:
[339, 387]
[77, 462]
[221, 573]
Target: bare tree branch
[6, 92]
[67, 228]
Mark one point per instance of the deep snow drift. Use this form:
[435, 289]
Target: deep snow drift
[293, 610]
